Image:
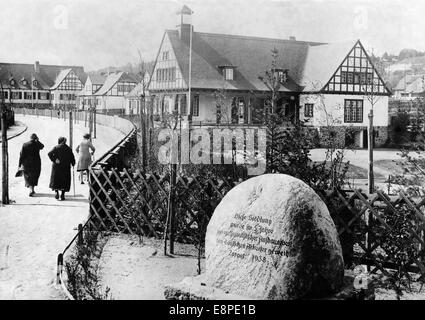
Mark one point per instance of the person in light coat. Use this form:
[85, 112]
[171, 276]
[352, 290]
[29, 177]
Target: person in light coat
[85, 157]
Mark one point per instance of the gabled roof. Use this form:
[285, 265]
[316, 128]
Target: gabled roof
[321, 63]
[112, 79]
[97, 78]
[136, 92]
[185, 10]
[411, 83]
[310, 65]
[45, 77]
[249, 55]
[61, 76]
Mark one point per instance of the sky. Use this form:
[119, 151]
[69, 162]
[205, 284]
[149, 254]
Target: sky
[100, 33]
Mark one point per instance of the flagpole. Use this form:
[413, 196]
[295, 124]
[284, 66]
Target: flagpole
[190, 69]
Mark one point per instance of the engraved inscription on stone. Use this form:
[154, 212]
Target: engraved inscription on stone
[251, 237]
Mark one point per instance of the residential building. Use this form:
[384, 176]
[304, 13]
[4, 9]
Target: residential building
[410, 87]
[93, 83]
[136, 97]
[322, 84]
[65, 89]
[110, 98]
[41, 86]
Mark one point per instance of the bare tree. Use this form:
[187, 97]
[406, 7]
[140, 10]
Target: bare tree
[143, 112]
[331, 124]
[370, 87]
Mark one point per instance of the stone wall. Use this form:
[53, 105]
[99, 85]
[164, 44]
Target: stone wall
[351, 136]
[381, 136]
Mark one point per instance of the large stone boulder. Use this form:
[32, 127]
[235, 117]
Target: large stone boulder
[272, 237]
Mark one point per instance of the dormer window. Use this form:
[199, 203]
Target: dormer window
[35, 83]
[24, 82]
[281, 75]
[12, 82]
[227, 72]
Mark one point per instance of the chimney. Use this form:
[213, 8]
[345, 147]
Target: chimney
[37, 67]
[292, 38]
[185, 24]
[184, 32]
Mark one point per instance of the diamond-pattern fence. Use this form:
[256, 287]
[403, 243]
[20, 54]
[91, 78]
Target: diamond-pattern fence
[135, 202]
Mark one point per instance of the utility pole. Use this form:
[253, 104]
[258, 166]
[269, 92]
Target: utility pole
[71, 128]
[94, 121]
[90, 122]
[5, 153]
[370, 134]
[143, 131]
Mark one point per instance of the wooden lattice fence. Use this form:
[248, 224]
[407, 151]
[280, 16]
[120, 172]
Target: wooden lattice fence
[376, 229]
[137, 203]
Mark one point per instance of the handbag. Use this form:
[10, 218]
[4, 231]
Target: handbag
[19, 173]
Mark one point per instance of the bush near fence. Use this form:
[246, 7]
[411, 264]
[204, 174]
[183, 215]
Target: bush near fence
[132, 201]
[125, 199]
[135, 202]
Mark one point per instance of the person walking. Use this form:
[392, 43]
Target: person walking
[30, 162]
[85, 157]
[62, 159]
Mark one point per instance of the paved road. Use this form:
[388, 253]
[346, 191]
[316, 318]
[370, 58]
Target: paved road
[34, 230]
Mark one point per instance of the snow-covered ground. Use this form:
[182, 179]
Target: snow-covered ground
[138, 271]
[34, 230]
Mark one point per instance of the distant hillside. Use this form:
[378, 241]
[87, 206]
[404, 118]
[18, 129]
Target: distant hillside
[409, 61]
[129, 67]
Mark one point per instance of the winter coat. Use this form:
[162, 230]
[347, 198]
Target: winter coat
[60, 179]
[29, 160]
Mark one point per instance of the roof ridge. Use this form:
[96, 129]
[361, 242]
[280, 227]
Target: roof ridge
[251, 37]
[41, 65]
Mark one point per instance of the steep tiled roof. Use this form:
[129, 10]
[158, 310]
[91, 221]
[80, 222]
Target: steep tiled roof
[97, 78]
[112, 79]
[137, 91]
[45, 77]
[250, 56]
[321, 63]
[61, 76]
[410, 83]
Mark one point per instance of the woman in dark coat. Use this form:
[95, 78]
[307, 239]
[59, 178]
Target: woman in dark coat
[62, 158]
[30, 162]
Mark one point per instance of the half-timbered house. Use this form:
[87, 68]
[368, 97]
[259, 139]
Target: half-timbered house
[93, 83]
[40, 86]
[110, 98]
[324, 85]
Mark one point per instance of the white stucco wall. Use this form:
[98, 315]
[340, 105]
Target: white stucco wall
[329, 110]
[111, 102]
[171, 62]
